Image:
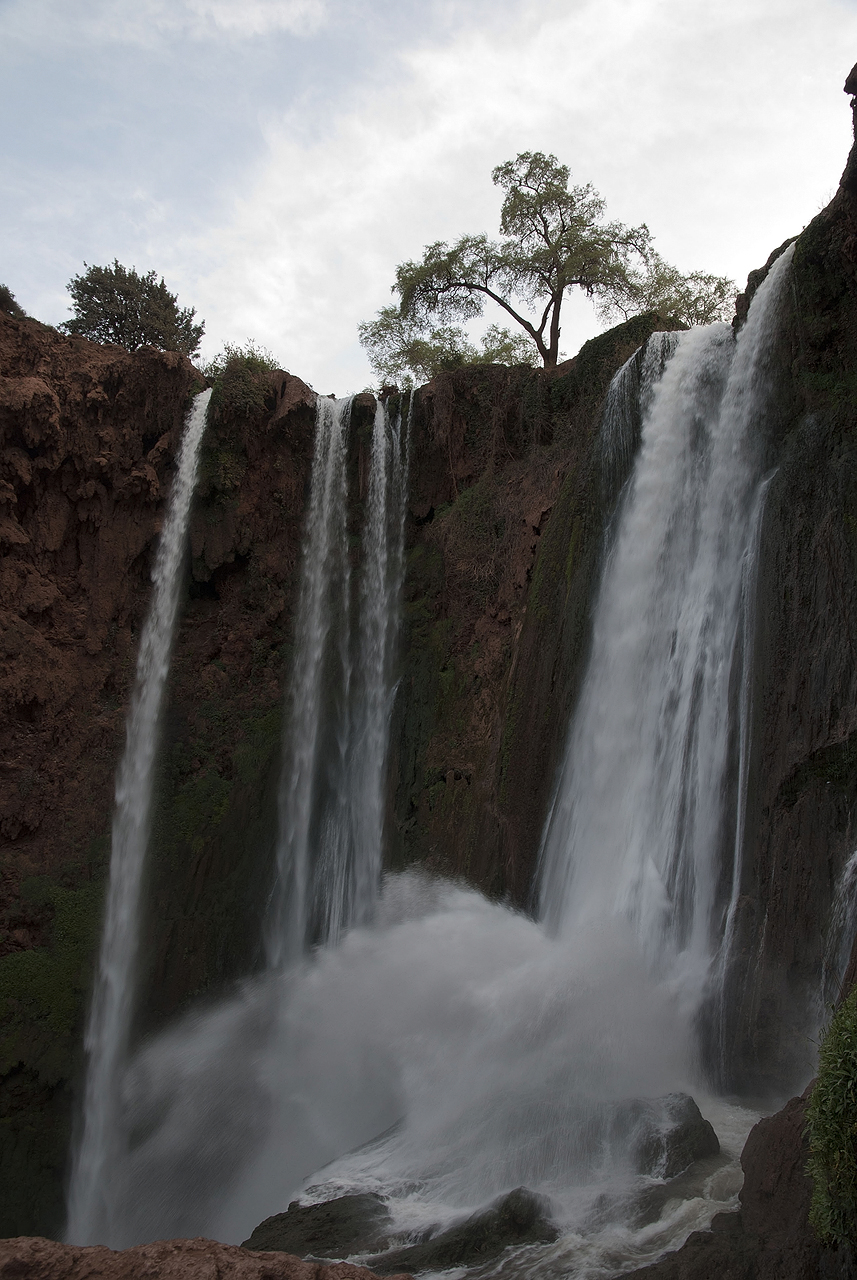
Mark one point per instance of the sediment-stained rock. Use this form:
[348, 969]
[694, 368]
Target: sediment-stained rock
[34, 1258]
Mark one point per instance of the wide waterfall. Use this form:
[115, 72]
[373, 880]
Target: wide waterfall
[440, 1049]
[112, 1010]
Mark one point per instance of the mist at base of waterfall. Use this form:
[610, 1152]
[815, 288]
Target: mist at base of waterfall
[486, 1054]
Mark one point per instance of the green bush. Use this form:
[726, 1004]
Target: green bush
[117, 304]
[832, 1128]
[240, 378]
[8, 305]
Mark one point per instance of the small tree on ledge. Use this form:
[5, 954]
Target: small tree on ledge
[115, 304]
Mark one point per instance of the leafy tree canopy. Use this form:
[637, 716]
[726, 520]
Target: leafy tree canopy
[115, 304]
[401, 349]
[554, 237]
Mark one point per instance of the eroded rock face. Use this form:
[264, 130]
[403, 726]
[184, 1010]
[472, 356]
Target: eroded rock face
[88, 435]
[33, 1258]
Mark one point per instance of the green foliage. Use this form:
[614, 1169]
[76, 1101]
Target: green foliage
[832, 1125]
[555, 237]
[115, 304]
[400, 350]
[8, 305]
[697, 298]
[240, 377]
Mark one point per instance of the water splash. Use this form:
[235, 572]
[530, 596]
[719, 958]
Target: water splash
[108, 1031]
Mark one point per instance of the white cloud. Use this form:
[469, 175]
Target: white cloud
[148, 22]
[721, 126]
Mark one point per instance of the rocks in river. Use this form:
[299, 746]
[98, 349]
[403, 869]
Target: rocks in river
[333, 1229]
[668, 1134]
[519, 1217]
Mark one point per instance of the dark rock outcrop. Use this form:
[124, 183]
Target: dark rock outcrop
[34, 1258]
[517, 1218]
[670, 1134]
[334, 1229]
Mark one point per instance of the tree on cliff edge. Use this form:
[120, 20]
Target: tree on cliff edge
[115, 304]
[554, 238]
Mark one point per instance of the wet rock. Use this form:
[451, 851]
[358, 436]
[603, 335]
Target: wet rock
[671, 1134]
[520, 1217]
[334, 1229]
[32, 1258]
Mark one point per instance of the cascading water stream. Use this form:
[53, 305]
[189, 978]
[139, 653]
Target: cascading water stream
[323, 609]
[107, 1039]
[332, 789]
[637, 824]
[383, 549]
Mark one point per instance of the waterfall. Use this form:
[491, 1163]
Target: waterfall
[108, 1031]
[224, 1130]
[383, 563]
[637, 826]
[332, 788]
[320, 657]
[440, 1049]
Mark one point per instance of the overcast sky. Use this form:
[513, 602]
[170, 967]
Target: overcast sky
[275, 159]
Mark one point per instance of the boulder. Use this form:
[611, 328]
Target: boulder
[333, 1229]
[670, 1134]
[519, 1217]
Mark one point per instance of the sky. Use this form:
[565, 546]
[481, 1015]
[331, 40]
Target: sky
[275, 160]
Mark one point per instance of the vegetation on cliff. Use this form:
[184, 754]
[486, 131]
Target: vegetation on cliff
[554, 238]
[832, 1124]
[9, 305]
[116, 304]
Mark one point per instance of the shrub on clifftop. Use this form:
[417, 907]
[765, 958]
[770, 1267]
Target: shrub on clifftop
[832, 1126]
[8, 305]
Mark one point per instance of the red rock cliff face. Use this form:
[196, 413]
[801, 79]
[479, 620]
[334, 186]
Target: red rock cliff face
[87, 435]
